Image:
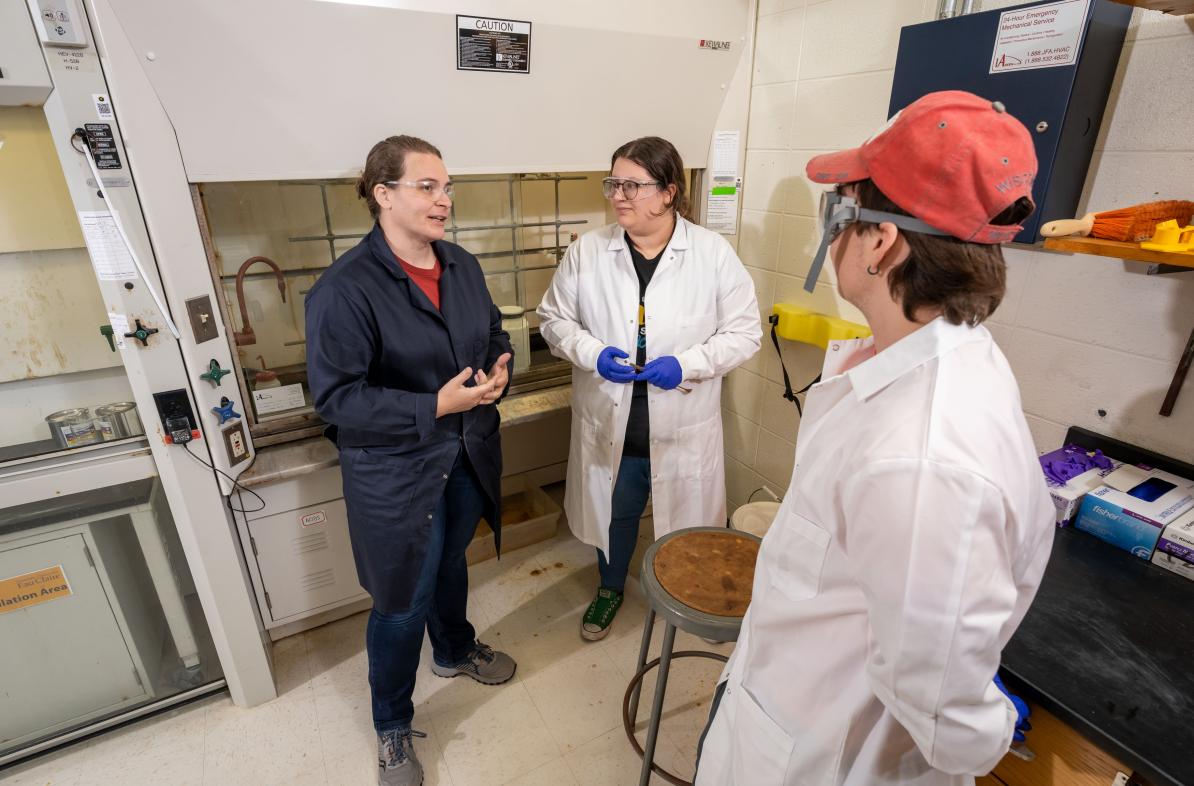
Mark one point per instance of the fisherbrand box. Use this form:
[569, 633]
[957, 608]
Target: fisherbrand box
[1132, 507]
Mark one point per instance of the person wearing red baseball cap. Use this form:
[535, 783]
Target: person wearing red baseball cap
[917, 524]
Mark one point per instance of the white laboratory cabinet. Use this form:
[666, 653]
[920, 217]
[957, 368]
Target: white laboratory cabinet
[86, 654]
[298, 548]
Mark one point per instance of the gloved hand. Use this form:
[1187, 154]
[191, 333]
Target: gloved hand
[609, 367]
[662, 372]
[1022, 711]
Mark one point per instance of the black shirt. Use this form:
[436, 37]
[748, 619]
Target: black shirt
[638, 424]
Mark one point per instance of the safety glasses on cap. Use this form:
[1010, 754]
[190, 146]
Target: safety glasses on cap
[838, 211]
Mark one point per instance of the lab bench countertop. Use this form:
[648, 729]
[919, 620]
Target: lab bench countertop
[294, 459]
[1108, 646]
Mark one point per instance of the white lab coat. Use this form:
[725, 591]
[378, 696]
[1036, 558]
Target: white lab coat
[909, 546]
[701, 308]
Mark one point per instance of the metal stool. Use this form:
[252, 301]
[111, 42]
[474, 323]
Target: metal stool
[699, 580]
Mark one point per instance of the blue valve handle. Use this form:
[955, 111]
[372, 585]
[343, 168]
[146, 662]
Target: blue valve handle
[225, 411]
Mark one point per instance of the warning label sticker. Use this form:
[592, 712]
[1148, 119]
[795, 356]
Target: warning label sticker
[488, 44]
[1043, 36]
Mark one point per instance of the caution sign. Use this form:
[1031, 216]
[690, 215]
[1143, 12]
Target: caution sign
[1040, 36]
[33, 588]
[484, 43]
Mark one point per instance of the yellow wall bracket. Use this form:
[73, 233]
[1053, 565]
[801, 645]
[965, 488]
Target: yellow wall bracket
[809, 327]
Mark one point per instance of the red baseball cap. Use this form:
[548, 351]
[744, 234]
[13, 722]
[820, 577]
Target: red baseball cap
[952, 159]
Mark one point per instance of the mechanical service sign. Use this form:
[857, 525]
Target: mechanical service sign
[485, 43]
[1041, 36]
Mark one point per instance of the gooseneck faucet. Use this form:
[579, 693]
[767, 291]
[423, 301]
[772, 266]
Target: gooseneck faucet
[245, 335]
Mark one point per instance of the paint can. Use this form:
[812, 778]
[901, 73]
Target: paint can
[72, 428]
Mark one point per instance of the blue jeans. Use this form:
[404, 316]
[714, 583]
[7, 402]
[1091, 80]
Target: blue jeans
[440, 602]
[630, 499]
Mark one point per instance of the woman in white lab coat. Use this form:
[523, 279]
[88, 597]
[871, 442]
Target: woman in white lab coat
[656, 292]
[917, 525]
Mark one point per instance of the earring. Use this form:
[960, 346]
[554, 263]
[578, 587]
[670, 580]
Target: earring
[872, 272]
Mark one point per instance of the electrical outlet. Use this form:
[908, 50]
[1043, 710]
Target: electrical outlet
[235, 443]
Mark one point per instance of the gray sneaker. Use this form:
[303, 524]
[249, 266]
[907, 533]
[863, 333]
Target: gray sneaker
[482, 664]
[397, 764]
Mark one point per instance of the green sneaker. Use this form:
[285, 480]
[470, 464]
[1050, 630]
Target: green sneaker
[600, 614]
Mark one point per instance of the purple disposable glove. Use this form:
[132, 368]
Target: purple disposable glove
[662, 372]
[609, 367]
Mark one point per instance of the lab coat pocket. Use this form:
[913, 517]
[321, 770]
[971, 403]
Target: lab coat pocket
[763, 748]
[794, 550]
[381, 482]
[700, 449]
[694, 330]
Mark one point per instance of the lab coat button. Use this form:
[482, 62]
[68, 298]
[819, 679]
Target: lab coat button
[428, 515]
[445, 477]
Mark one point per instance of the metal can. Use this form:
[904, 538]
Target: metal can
[71, 428]
[117, 421]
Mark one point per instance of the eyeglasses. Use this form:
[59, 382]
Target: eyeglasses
[838, 211]
[629, 188]
[429, 188]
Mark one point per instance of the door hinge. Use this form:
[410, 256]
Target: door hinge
[137, 677]
[268, 602]
[87, 554]
[253, 545]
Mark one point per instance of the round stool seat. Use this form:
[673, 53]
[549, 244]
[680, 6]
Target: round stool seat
[709, 571]
[699, 580]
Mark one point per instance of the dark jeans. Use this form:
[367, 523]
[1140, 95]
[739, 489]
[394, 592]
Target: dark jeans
[630, 499]
[393, 641]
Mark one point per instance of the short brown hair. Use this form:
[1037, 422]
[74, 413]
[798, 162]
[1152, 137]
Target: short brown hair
[662, 162]
[387, 161]
[965, 281]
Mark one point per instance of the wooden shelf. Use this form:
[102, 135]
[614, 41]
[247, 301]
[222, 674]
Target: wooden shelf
[1118, 250]
[1176, 7]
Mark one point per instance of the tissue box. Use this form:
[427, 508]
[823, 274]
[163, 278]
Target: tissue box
[1175, 549]
[1132, 507]
[1067, 496]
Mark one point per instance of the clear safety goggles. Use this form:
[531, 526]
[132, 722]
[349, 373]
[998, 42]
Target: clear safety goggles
[838, 211]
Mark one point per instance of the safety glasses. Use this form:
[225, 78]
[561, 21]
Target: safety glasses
[838, 211]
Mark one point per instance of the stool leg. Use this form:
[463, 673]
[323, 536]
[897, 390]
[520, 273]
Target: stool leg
[665, 662]
[648, 626]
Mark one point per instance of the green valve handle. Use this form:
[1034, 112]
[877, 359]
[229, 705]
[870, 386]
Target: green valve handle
[142, 333]
[107, 332]
[214, 373]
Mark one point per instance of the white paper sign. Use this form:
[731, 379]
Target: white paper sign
[1043, 36]
[725, 154]
[108, 253]
[278, 399]
[723, 208]
[120, 326]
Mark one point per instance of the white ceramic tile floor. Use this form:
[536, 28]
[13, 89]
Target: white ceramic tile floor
[557, 723]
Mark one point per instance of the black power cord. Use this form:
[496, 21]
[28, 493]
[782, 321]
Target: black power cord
[236, 486]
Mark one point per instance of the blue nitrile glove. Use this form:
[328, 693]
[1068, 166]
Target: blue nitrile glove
[662, 372]
[609, 367]
[1022, 711]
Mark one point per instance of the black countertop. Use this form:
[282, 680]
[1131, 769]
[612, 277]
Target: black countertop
[1108, 647]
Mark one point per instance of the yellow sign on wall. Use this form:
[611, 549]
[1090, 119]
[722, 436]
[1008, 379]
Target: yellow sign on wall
[33, 588]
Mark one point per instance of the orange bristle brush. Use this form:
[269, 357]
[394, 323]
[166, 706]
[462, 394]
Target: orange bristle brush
[1129, 224]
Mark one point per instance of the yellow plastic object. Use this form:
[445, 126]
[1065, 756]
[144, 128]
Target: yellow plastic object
[809, 327]
[1170, 237]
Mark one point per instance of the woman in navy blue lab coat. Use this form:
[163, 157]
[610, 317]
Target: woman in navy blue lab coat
[406, 359]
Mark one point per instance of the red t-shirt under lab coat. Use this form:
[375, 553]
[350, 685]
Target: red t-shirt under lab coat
[426, 278]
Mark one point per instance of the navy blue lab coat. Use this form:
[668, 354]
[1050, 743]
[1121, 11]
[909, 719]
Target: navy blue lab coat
[378, 352]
